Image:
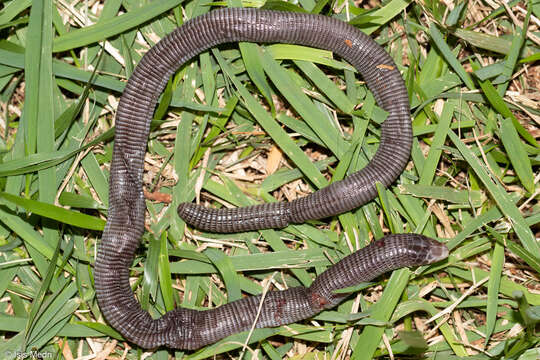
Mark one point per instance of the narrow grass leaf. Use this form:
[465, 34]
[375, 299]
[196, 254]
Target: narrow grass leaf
[298, 52]
[383, 15]
[488, 42]
[57, 307]
[43, 119]
[498, 104]
[386, 208]
[300, 127]
[494, 282]
[252, 61]
[284, 176]
[303, 105]
[446, 52]
[14, 8]
[111, 27]
[226, 269]
[513, 54]
[282, 6]
[42, 161]
[37, 67]
[449, 194]
[435, 151]
[530, 259]
[268, 349]
[69, 115]
[253, 262]
[490, 71]
[517, 154]
[371, 336]
[532, 58]
[165, 282]
[505, 204]
[507, 286]
[26, 232]
[286, 144]
[56, 322]
[232, 342]
[56, 213]
[103, 329]
[150, 278]
[40, 296]
[96, 177]
[327, 87]
[414, 305]
[79, 201]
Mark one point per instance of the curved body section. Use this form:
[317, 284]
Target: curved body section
[376, 68]
[190, 329]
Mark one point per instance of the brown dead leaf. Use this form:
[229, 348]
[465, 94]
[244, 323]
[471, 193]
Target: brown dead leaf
[157, 196]
[274, 158]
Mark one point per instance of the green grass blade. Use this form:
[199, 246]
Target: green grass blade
[517, 154]
[385, 14]
[498, 103]
[445, 50]
[444, 193]
[102, 329]
[111, 27]
[506, 206]
[497, 263]
[40, 296]
[303, 53]
[56, 213]
[501, 45]
[55, 312]
[79, 201]
[411, 306]
[513, 54]
[370, 337]
[14, 8]
[252, 61]
[430, 165]
[506, 288]
[327, 87]
[303, 105]
[286, 144]
[226, 269]
[531, 260]
[165, 281]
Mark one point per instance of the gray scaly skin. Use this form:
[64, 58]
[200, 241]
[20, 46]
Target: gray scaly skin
[190, 329]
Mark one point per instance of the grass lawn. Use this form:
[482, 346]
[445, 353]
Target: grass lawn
[222, 136]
